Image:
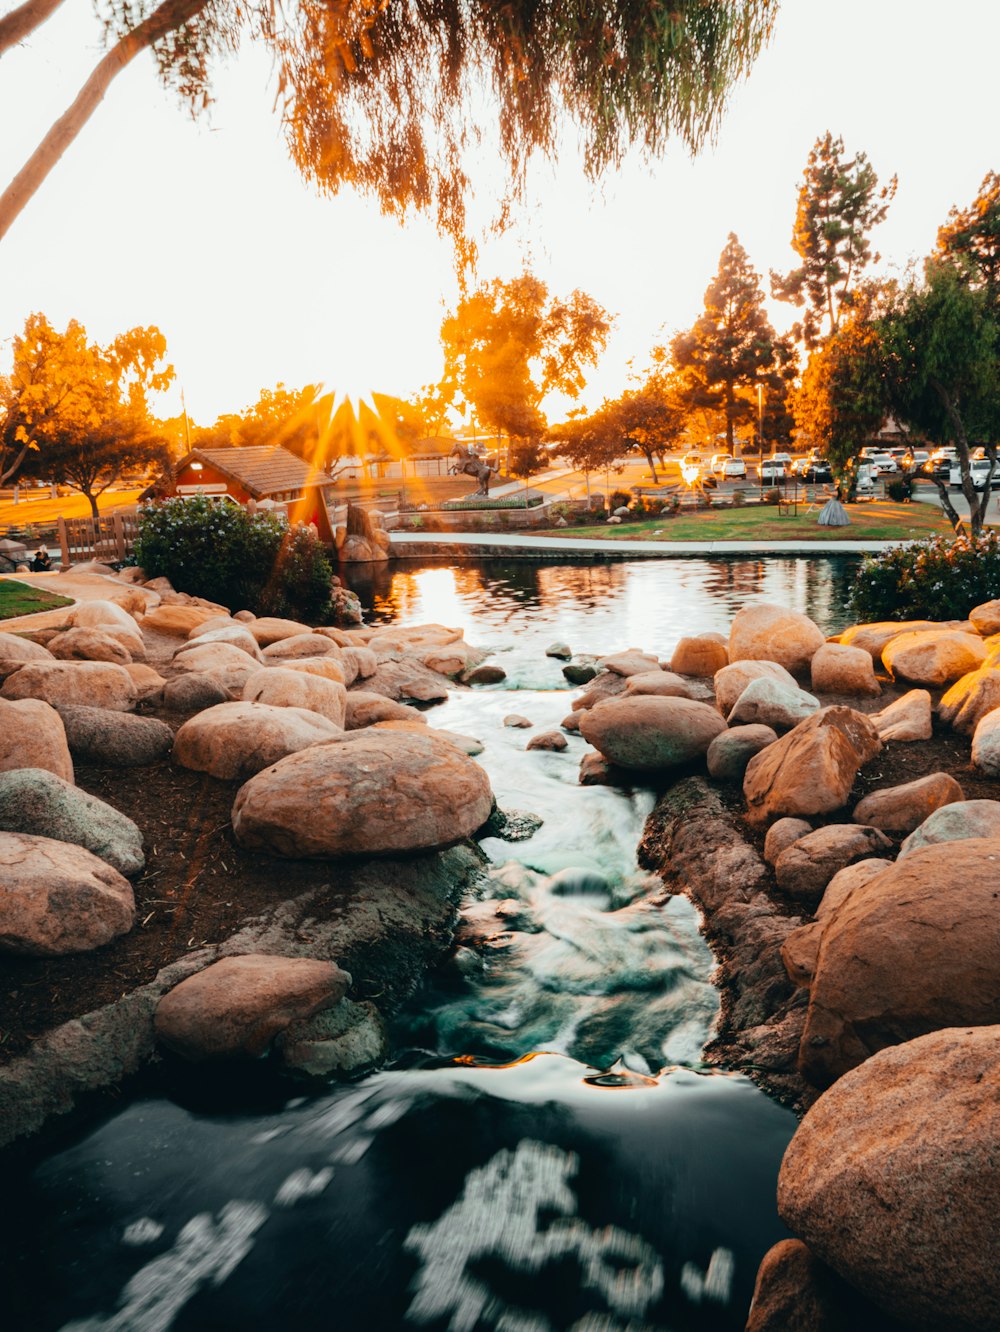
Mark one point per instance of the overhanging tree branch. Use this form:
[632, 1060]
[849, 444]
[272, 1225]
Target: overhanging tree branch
[170, 16]
[23, 21]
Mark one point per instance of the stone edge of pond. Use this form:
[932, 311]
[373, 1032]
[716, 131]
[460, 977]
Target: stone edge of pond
[696, 847]
[392, 921]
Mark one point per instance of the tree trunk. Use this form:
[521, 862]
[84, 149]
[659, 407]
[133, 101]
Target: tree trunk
[950, 511]
[652, 465]
[172, 14]
[20, 22]
[93, 504]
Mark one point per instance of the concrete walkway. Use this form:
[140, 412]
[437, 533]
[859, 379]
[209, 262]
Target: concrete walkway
[413, 545]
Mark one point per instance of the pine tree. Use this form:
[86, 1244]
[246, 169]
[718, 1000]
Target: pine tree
[839, 203]
[732, 347]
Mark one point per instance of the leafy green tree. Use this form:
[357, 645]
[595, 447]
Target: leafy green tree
[941, 340]
[839, 203]
[732, 347]
[381, 96]
[971, 237]
[644, 420]
[508, 344]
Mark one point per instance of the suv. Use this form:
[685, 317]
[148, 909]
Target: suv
[979, 469]
[734, 469]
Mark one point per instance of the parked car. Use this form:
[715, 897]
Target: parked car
[980, 469]
[719, 461]
[882, 463]
[733, 469]
[785, 458]
[813, 472]
[692, 460]
[772, 470]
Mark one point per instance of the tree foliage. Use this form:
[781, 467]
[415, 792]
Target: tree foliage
[839, 203]
[508, 344]
[732, 347]
[78, 413]
[647, 420]
[971, 238]
[387, 96]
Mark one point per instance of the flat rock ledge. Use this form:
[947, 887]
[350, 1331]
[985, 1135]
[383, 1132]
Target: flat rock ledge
[386, 922]
[695, 845]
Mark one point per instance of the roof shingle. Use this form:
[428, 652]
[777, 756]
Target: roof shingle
[264, 469]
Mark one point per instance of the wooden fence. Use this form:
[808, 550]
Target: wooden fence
[110, 539]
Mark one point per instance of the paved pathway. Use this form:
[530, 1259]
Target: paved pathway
[514, 542]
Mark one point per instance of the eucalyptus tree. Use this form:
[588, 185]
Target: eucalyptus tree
[387, 96]
[838, 205]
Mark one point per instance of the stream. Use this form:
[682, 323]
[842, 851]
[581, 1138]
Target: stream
[547, 1153]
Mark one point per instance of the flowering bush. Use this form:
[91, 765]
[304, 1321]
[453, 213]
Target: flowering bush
[244, 561]
[939, 579]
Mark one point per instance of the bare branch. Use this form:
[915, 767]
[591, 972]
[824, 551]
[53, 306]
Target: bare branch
[23, 21]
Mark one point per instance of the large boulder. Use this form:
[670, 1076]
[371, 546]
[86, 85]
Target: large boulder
[731, 751]
[359, 663]
[236, 635]
[955, 823]
[374, 793]
[194, 692]
[933, 657]
[651, 734]
[85, 644]
[702, 656]
[765, 632]
[214, 658]
[811, 769]
[781, 834]
[772, 703]
[121, 739]
[450, 659]
[664, 683]
[32, 735]
[299, 645]
[92, 684]
[15, 648]
[177, 620]
[363, 708]
[900, 809]
[37, 802]
[986, 744]
[969, 699]
[986, 618]
[872, 638]
[268, 629]
[840, 669]
[892, 1179]
[282, 688]
[730, 681]
[632, 662]
[795, 1292]
[914, 949]
[804, 869]
[328, 668]
[407, 679]
[906, 719]
[233, 741]
[236, 1007]
[845, 881]
[57, 899]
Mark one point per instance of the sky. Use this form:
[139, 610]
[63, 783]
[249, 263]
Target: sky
[206, 230]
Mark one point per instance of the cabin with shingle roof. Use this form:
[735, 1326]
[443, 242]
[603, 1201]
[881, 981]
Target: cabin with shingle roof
[269, 475]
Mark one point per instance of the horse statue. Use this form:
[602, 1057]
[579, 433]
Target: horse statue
[470, 464]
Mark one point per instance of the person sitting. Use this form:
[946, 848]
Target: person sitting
[42, 561]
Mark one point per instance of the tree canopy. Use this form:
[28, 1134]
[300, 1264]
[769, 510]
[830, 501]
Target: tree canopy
[971, 237]
[732, 348]
[508, 344]
[839, 203]
[78, 413]
[387, 95]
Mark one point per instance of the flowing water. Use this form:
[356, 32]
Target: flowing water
[608, 1183]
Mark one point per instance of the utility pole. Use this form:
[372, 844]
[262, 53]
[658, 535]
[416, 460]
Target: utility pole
[760, 436]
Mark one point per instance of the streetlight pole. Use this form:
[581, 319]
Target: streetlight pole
[760, 437]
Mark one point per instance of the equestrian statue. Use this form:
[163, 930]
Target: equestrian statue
[470, 464]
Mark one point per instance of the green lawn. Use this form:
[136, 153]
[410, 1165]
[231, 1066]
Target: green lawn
[20, 599]
[878, 520]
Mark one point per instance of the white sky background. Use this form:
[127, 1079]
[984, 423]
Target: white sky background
[206, 230]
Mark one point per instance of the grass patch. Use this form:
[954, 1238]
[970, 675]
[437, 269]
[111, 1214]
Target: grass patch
[20, 599]
[879, 520]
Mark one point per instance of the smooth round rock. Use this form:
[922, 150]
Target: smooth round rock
[40, 803]
[651, 734]
[731, 751]
[96, 735]
[94, 684]
[766, 632]
[232, 741]
[374, 793]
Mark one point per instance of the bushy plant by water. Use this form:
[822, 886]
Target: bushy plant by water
[244, 561]
[939, 579]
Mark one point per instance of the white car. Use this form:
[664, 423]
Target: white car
[883, 463]
[772, 470]
[734, 469]
[980, 470]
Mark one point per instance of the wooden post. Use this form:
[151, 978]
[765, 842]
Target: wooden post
[119, 528]
[63, 543]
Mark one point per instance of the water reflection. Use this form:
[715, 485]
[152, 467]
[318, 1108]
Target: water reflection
[601, 606]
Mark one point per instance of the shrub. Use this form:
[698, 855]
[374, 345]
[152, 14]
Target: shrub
[621, 499]
[244, 561]
[739, 498]
[773, 496]
[938, 579]
[900, 489]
